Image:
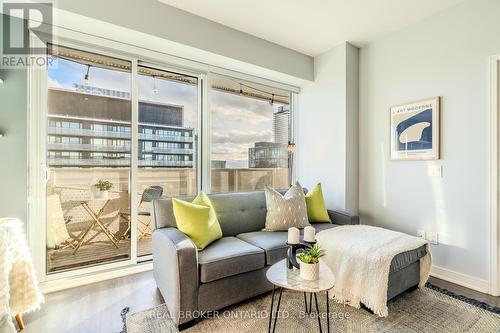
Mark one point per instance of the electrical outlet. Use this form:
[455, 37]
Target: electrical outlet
[435, 171]
[421, 233]
[433, 238]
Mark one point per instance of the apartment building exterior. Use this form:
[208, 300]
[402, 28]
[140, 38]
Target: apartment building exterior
[281, 124]
[273, 154]
[90, 127]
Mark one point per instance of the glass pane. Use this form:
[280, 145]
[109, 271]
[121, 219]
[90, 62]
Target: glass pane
[88, 155]
[168, 118]
[250, 135]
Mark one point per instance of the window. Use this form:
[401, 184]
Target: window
[168, 107]
[250, 135]
[89, 139]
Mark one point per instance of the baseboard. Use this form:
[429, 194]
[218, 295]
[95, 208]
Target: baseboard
[464, 280]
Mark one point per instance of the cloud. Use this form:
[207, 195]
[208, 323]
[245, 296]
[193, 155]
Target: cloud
[229, 152]
[247, 137]
[53, 83]
[226, 106]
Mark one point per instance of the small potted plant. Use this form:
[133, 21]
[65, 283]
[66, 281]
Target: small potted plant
[309, 262]
[103, 186]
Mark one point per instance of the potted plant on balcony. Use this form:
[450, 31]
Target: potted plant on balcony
[309, 262]
[103, 187]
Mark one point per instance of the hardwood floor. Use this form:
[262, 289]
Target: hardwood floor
[96, 308]
[491, 300]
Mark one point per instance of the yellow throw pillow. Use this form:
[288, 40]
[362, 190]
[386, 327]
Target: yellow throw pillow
[197, 220]
[316, 208]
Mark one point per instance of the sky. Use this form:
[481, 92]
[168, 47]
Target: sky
[237, 121]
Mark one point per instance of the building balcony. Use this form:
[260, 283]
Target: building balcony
[166, 138]
[87, 147]
[104, 162]
[81, 132]
[154, 163]
[172, 150]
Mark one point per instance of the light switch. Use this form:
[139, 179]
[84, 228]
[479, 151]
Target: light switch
[435, 171]
[421, 233]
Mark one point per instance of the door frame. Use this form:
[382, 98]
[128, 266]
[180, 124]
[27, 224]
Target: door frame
[494, 274]
[38, 169]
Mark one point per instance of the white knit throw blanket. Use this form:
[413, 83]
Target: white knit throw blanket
[360, 257]
[18, 282]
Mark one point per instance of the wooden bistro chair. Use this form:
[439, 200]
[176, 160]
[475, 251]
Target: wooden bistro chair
[144, 226]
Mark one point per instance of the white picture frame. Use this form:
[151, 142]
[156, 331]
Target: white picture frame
[415, 130]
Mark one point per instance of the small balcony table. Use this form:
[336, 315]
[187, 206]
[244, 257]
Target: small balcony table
[96, 221]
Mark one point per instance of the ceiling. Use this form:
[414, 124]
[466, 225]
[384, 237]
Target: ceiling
[314, 26]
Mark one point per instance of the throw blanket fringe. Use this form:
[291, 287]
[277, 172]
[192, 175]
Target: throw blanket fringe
[18, 282]
[360, 257]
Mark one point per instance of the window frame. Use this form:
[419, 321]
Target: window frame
[37, 171]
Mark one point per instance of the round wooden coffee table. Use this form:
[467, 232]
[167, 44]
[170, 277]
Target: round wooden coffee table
[283, 277]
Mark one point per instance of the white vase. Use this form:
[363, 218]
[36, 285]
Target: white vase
[309, 271]
[101, 195]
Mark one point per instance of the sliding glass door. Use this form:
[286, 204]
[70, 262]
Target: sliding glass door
[89, 159]
[168, 130]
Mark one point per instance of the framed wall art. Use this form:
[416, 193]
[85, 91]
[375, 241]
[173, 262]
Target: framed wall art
[415, 130]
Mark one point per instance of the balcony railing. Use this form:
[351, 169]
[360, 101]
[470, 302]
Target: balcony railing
[152, 163]
[103, 162]
[88, 133]
[87, 147]
[82, 132]
[156, 137]
[172, 150]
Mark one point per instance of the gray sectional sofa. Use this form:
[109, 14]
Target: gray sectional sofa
[233, 268]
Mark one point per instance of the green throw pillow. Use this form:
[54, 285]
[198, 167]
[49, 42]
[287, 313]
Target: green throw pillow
[197, 220]
[316, 208]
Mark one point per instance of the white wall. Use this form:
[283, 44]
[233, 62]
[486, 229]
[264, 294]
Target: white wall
[445, 55]
[13, 156]
[327, 147]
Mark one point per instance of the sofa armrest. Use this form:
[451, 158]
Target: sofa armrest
[343, 218]
[175, 269]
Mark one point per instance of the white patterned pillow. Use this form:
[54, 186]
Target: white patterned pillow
[286, 211]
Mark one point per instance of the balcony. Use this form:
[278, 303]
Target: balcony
[71, 186]
[103, 162]
[166, 138]
[152, 163]
[185, 151]
[81, 132]
[87, 147]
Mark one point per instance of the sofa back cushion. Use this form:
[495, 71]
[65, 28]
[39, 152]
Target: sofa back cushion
[237, 212]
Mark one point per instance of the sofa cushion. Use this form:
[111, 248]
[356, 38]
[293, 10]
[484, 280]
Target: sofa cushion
[316, 207]
[197, 220]
[285, 211]
[321, 226]
[228, 256]
[272, 242]
[404, 259]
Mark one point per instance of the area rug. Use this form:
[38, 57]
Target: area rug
[429, 309]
